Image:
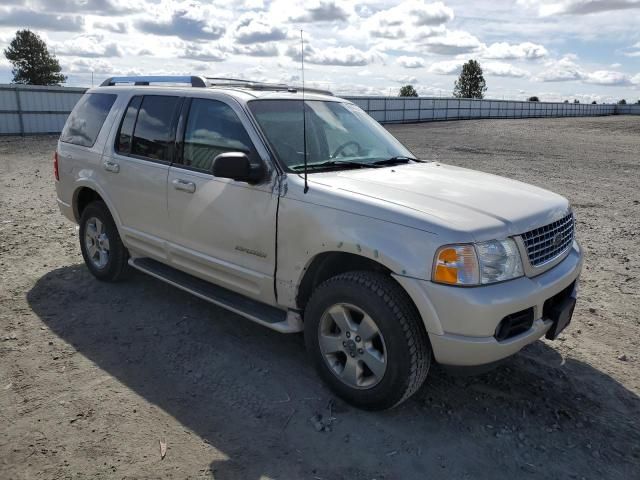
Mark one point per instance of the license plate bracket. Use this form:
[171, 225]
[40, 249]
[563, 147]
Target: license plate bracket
[560, 314]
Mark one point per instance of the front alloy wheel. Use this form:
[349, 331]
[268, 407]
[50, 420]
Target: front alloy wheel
[352, 346]
[366, 339]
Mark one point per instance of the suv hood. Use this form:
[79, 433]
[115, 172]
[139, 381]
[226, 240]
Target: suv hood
[453, 198]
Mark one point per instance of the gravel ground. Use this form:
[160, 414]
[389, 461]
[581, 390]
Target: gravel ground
[94, 376]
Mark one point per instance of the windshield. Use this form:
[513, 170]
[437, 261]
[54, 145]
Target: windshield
[338, 134]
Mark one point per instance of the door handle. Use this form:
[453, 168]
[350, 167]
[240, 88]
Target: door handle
[184, 185]
[111, 166]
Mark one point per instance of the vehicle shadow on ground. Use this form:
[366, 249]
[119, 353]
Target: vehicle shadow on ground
[252, 394]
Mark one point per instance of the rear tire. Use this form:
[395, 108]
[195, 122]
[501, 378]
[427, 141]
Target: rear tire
[381, 354]
[102, 249]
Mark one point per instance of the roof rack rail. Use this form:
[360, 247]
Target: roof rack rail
[147, 79]
[254, 85]
[203, 82]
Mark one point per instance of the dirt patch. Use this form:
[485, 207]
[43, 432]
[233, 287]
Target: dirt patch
[94, 376]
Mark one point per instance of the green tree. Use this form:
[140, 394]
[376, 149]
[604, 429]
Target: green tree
[622, 102]
[533, 99]
[31, 60]
[576, 101]
[593, 103]
[471, 83]
[408, 91]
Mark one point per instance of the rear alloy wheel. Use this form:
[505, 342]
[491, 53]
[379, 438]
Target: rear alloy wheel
[366, 339]
[96, 243]
[101, 246]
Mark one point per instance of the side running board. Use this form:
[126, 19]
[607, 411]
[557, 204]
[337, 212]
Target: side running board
[271, 317]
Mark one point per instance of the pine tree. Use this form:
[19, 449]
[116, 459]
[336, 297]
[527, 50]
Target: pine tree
[32, 62]
[408, 91]
[471, 83]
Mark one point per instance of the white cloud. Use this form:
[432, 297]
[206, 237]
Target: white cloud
[321, 11]
[404, 79]
[21, 17]
[252, 29]
[114, 27]
[636, 79]
[452, 42]
[204, 53]
[583, 7]
[258, 50]
[634, 50]
[409, 16]
[563, 70]
[446, 67]
[500, 69]
[90, 46]
[520, 51]
[190, 22]
[341, 56]
[410, 62]
[99, 7]
[82, 65]
[607, 77]
[566, 69]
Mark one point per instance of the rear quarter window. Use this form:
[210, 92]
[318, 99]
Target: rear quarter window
[86, 119]
[153, 133]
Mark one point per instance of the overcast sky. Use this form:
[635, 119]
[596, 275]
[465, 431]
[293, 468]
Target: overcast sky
[555, 49]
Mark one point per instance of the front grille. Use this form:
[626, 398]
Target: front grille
[548, 242]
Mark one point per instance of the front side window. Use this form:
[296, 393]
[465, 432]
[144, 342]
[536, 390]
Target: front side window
[336, 131]
[86, 119]
[212, 128]
[153, 133]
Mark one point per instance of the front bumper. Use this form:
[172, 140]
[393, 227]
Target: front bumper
[461, 322]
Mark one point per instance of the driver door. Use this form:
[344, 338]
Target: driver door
[221, 230]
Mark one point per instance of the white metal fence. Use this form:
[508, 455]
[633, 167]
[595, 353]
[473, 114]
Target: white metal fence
[27, 110]
[405, 110]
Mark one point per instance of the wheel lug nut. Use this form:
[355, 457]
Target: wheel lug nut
[353, 354]
[357, 339]
[344, 344]
[348, 334]
[360, 351]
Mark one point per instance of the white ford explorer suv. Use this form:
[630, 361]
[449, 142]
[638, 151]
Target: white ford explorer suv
[386, 262]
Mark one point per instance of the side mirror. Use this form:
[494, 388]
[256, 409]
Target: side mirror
[237, 166]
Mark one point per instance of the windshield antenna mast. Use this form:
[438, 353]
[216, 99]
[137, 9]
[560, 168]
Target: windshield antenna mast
[304, 117]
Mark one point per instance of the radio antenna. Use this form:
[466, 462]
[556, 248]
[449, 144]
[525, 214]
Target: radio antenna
[304, 117]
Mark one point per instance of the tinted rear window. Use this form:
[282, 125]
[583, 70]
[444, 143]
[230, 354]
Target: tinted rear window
[153, 133]
[85, 122]
[123, 140]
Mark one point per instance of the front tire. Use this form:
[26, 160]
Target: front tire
[102, 249]
[366, 340]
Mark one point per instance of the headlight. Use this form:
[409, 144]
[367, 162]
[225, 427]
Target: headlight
[478, 263]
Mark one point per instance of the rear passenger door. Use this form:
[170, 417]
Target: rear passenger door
[222, 230]
[143, 149]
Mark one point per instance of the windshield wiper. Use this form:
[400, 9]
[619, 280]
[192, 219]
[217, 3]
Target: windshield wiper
[395, 160]
[337, 163]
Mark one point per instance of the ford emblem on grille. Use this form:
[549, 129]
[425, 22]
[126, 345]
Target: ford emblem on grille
[557, 240]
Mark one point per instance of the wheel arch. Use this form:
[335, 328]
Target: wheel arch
[84, 194]
[329, 264]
